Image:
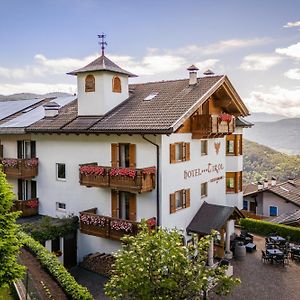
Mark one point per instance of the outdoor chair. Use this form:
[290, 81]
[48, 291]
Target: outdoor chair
[279, 259]
[270, 246]
[264, 256]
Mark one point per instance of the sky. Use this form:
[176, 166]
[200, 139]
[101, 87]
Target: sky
[255, 43]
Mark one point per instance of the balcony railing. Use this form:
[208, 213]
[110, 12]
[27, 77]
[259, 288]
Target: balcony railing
[20, 168]
[106, 227]
[206, 126]
[27, 207]
[125, 179]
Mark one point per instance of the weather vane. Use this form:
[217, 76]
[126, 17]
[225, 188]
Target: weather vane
[102, 42]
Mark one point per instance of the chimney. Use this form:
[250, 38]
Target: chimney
[193, 74]
[209, 73]
[291, 180]
[273, 181]
[51, 109]
[260, 186]
[266, 184]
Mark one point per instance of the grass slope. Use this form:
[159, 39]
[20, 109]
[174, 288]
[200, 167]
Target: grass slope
[262, 162]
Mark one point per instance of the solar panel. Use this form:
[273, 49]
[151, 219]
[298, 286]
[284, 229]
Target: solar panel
[36, 114]
[8, 108]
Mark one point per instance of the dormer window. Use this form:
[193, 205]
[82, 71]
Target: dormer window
[89, 83]
[116, 84]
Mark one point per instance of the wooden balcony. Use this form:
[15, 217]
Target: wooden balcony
[106, 227]
[210, 126]
[20, 168]
[124, 179]
[27, 207]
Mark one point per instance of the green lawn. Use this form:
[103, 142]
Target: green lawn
[5, 294]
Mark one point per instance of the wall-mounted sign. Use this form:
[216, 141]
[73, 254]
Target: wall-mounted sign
[211, 168]
[216, 179]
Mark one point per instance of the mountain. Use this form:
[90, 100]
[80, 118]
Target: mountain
[261, 162]
[264, 117]
[25, 96]
[283, 135]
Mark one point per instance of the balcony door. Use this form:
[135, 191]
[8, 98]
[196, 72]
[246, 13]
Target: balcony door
[123, 205]
[26, 149]
[26, 189]
[123, 155]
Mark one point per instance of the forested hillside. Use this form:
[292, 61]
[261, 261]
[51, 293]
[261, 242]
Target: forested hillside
[262, 162]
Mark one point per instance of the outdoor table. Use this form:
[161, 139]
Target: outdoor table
[277, 239]
[250, 247]
[274, 253]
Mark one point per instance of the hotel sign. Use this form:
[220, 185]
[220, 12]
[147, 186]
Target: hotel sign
[211, 168]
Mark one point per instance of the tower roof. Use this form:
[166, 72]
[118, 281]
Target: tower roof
[102, 63]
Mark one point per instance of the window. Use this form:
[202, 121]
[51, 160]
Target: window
[60, 206]
[123, 155]
[26, 149]
[60, 171]
[26, 189]
[123, 205]
[179, 152]
[204, 147]
[234, 182]
[89, 83]
[245, 205]
[273, 211]
[116, 84]
[179, 200]
[234, 144]
[203, 189]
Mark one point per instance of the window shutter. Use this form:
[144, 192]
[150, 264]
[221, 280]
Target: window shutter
[187, 198]
[20, 149]
[172, 153]
[33, 149]
[33, 189]
[187, 151]
[236, 144]
[114, 204]
[241, 144]
[132, 156]
[241, 181]
[236, 182]
[115, 155]
[172, 203]
[132, 207]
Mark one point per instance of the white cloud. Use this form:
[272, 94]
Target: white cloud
[206, 64]
[292, 24]
[291, 51]
[35, 87]
[293, 74]
[259, 62]
[277, 100]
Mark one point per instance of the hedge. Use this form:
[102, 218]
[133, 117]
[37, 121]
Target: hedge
[56, 269]
[265, 228]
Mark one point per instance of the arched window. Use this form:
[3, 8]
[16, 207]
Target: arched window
[90, 83]
[116, 84]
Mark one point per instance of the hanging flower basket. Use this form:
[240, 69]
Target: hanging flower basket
[91, 170]
[123, 172]
[121, 225]
[149, 170]
[225, 117]
[93, 220]
[34, 203]
[10, 162]
[31, 163]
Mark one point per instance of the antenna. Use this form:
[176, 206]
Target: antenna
[102, 42]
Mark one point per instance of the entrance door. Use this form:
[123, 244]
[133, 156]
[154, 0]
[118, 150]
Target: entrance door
[70, 250]
[253, 207]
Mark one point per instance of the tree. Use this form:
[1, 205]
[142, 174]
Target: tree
[155, 265]
[10, 270]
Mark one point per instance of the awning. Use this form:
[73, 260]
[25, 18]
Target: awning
[212, 216]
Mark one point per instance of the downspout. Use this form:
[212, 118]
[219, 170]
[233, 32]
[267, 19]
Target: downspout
[157, 180]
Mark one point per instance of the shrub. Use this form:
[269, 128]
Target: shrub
[56, 269]
[265, 228]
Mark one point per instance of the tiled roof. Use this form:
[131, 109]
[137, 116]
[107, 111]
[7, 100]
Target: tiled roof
[174, 100]
[289, 190]
[288, 218]
[249, 189]
[102, 63]
[241, 122]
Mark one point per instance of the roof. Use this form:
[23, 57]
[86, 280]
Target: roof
[173, 103]
[288, 218]
[249, 189]
[102, 63]
[241, 122]
[212, 216]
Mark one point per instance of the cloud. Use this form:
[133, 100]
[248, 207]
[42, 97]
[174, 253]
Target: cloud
[291, 51]
[277, 100]
[259, 62]
[292, 24]
[37, 88]
[293, 74]
[207, 64]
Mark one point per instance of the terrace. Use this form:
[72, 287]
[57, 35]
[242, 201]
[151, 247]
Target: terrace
[20, 168]
[28, 208]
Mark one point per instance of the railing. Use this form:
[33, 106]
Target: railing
[27, 207]
[205, 126]
[106, 227]
[125, 179]
[20, 168]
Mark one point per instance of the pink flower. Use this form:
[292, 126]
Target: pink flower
[31, 163]
[225, 117]
[123, 172]
[34, 203]
[10, 162]
[91, 170]
[150, 170]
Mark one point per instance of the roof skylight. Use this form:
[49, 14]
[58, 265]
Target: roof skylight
[151, 96]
